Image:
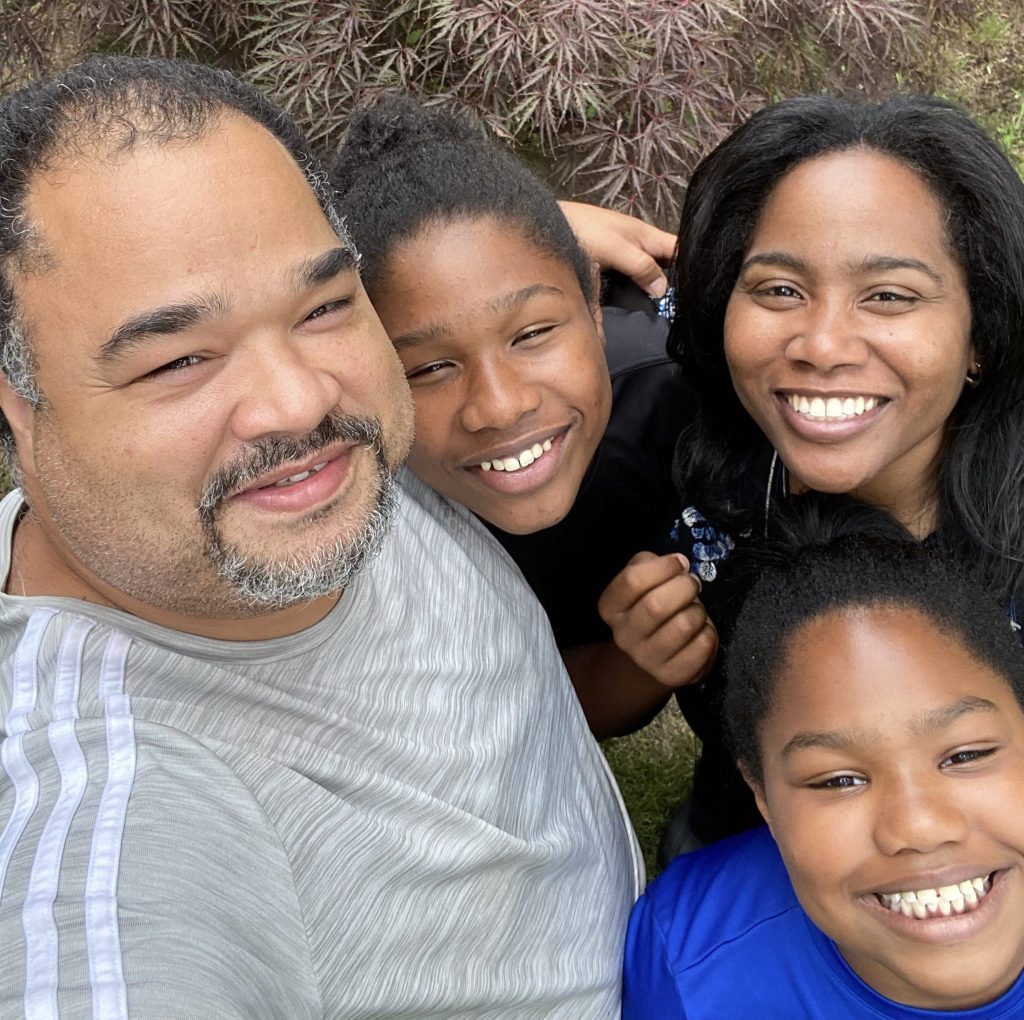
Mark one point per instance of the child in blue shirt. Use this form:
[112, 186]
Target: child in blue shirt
[874, 700]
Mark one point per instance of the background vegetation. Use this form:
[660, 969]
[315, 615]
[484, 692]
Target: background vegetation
[615, 100]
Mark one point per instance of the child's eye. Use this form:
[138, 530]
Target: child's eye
[840, 782]
[429, 371]
[532, 334]
[967, 757]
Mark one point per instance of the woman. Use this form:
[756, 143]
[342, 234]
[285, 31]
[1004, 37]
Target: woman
[875, 698]
[850, 284]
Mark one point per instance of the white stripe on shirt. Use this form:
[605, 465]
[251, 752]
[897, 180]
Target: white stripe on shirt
[103, 939]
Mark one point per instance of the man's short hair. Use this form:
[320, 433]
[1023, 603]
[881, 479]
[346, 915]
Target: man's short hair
[111, 104]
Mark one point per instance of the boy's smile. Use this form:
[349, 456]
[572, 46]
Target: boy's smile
[506, 364]
[894, 785]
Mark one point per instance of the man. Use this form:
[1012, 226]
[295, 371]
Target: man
[240, 778]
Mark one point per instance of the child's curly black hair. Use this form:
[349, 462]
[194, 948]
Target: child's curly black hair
[835, 554]
[402, 167]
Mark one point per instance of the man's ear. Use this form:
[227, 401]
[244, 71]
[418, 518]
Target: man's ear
[757, 787]
[20, 415]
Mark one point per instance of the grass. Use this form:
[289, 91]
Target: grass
[654, 768]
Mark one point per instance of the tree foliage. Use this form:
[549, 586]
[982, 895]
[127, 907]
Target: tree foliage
[618, 99]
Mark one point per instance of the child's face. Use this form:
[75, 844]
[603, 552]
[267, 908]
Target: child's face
[506, 365]
[894, 764]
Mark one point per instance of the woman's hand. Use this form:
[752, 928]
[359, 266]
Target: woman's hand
[623, 243]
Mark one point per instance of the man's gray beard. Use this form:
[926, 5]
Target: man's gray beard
[283, 582]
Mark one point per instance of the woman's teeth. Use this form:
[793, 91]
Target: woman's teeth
[300, 477]
[525, 459]
[946, 900]
[833, 408]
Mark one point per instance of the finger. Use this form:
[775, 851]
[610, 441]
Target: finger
[642, 268]
[692, 662]
[644, 572]
[637, 622]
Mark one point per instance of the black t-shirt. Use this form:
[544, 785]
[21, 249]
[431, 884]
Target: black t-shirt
[627, 493]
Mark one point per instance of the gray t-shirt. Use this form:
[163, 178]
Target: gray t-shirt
[398, 812]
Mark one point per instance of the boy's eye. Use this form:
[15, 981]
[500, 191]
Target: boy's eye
[429, 371]
[532, 334]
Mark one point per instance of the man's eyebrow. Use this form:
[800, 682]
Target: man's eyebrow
[517, 298]
[158, 322]
[881, 263]
[928, 722]
[320, 269]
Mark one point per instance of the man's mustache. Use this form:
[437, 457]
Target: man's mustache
[271, 453]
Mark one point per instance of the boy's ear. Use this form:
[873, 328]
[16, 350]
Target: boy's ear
[595, 302]
[757, 787]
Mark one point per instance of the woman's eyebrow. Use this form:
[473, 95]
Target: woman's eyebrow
[881, 263]
[774, 258]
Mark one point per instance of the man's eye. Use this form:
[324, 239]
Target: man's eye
[178, 365]
[327, 309]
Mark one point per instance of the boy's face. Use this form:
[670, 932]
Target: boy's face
[506, 364]
[894, 786]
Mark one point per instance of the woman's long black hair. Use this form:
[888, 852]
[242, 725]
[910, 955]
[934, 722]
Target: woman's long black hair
[980, 486]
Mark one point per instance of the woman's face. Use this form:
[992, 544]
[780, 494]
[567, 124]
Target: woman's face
[847, 333]
[893, 765]
[506, 364]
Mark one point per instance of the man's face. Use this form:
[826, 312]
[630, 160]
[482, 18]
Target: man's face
[221, 405]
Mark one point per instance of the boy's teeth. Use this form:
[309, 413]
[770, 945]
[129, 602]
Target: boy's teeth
[944, 901]
[832, 408]
[300, 477]
[525, 459]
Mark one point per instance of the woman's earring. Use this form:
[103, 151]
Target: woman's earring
[974, 375]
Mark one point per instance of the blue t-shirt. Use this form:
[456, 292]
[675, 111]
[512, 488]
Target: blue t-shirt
[720, 936]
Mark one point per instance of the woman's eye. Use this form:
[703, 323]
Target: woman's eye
[782, 291]
[891, 297]
[967, 757]
[842, 782]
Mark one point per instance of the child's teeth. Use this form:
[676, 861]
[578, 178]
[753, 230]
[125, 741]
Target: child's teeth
[525, 459]
[944, 901]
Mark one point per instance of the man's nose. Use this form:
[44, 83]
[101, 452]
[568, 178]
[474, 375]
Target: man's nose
[282, 391]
